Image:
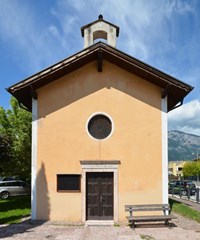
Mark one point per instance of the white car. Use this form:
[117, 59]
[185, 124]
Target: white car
[14, 188]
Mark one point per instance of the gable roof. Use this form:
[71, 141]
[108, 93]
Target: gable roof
[175, 89]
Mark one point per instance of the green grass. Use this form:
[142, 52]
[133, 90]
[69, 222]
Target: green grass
[184, 210]
[14, 209]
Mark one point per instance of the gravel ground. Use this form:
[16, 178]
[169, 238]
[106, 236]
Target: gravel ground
[180, 229]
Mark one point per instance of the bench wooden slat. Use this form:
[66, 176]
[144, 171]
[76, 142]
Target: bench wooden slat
[148, 205]
[147, 209]
[156, 207]
[148, 218]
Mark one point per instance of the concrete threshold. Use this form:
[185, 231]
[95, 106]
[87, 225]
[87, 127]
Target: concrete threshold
[99, 223]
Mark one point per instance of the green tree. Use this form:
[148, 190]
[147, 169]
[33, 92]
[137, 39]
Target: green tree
[191, 169]
[15, 124]
[5, 154]
[198, 168]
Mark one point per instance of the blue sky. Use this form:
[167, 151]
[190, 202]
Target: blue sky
[163, 33]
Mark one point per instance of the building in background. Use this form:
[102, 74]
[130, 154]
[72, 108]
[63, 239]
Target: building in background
[176, 169]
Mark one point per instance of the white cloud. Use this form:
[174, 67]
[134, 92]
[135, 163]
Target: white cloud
[69, 35]
[180, 6]
[17, 30]
[144, 28]
[32, 44]
[147, 28]
[186, 118]
[54, 30]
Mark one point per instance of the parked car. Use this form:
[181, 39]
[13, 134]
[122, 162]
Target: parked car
[181, 187]
[14, 188]
[9, 179]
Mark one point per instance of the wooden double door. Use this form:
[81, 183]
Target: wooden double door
[99, 196]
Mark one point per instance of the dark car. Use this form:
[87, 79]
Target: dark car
[14, 188]
[9, 179]
[182, 187]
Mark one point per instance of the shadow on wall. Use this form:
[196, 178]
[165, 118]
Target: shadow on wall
[82, 83]
[42, 203]
[43, 210]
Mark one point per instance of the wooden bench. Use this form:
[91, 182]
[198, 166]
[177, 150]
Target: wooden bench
[164, 216]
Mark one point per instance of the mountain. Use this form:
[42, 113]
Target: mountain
[183, 146]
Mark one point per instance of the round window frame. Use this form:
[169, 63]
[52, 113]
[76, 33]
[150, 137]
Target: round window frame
[96, 114]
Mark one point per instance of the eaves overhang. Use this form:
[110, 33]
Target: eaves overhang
[174, 89]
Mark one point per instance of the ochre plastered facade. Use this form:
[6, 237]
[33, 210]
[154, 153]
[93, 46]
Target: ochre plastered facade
[64, 107]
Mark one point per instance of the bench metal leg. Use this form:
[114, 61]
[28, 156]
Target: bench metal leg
[132, 224]
[166, 222]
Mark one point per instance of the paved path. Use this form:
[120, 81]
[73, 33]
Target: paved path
[180, 229]
[192, 204]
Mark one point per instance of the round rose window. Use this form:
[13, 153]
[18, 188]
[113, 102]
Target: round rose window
[100, 126]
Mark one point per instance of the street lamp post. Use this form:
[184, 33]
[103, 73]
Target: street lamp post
[197, 161]
[197, 152]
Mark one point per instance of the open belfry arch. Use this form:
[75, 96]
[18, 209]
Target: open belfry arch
[100, 29]
[99, 131]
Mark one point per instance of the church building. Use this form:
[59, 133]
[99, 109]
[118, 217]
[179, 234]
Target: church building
[99, 131]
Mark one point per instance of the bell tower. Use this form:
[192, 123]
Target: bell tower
[100, 29]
